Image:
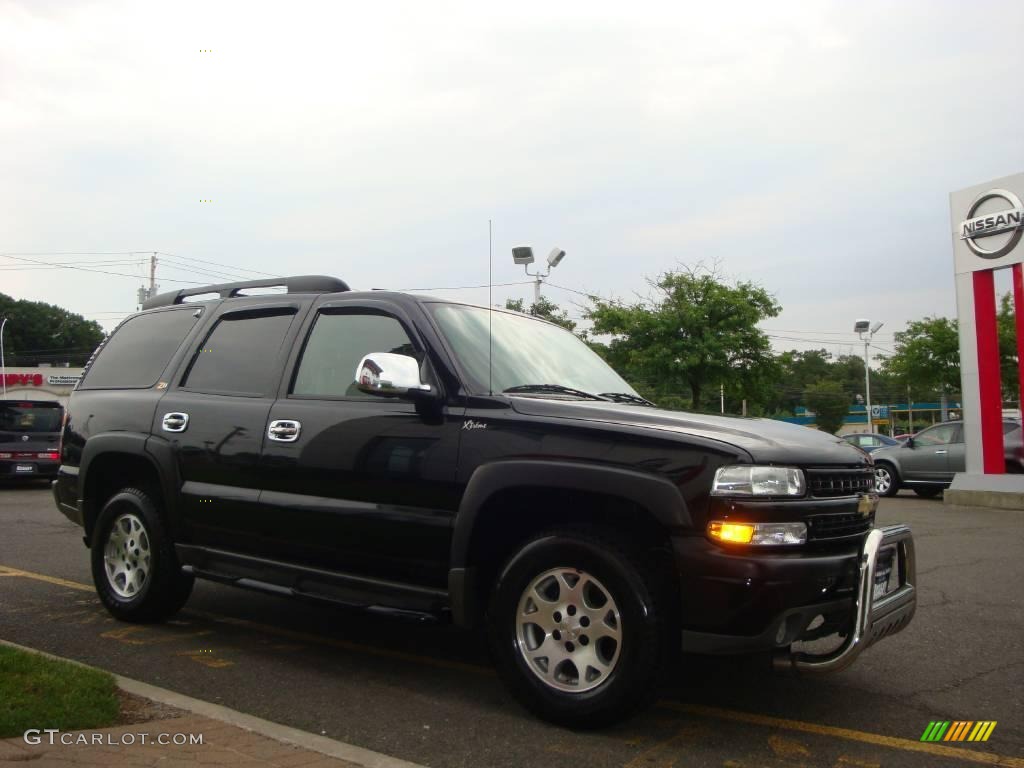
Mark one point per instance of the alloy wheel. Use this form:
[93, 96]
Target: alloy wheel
[569, 630]
[127, 556]
[883, 479]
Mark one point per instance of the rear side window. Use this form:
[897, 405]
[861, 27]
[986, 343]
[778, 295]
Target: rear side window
[137, 353]
[239, 356]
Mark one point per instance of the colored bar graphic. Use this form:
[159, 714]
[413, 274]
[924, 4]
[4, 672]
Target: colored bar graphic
[958, 730]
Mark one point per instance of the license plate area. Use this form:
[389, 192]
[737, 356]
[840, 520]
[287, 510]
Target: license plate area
[887, 572]
[24, 468]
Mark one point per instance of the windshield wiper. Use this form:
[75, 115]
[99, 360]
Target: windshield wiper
[552, 388]
[626, 397]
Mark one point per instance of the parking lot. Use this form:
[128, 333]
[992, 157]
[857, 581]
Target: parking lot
[427, 693]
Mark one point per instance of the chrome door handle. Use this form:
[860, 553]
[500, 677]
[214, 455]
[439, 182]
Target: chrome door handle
[284, 430]
[938, 452]
[175, 422]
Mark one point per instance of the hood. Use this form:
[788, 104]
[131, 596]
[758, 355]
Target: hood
[766, 440]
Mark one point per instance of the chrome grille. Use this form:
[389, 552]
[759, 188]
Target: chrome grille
[829, 483]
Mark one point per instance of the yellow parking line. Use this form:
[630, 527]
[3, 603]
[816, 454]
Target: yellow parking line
[7, 571]
[907, 745]
[892, 742]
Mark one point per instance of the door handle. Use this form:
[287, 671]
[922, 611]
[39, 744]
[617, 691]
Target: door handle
[942, 451]
[284, 430]
[175, 422]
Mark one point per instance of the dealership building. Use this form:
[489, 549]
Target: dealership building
[39, 383]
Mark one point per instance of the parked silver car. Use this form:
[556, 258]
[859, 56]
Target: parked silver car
[926, 462]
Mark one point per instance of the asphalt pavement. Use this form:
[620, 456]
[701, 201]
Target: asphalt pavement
[428, 694]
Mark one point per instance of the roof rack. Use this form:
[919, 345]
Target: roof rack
[295, 284]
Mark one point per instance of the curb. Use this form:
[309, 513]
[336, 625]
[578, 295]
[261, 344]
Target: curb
[358, 755]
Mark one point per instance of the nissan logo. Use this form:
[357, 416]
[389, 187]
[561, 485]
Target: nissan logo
[1009, 220]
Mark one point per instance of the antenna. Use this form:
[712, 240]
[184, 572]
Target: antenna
[491, 306]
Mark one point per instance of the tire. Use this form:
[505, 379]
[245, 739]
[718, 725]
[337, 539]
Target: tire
[928, 492]
[619, 671]
[887, 480]
[133, 586]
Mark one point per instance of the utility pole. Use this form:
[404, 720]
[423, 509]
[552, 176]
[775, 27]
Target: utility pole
[148, 293]
[721, 395]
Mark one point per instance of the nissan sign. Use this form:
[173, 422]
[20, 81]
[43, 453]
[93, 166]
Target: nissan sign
[976, 228]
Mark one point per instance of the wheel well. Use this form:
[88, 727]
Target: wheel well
[510, 517]
[109, 473]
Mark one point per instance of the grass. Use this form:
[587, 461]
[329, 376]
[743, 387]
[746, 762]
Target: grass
[37, 692]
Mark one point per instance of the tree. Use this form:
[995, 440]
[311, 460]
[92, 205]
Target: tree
[927, 355]
[829, 403]
[545, 309]
[697, 331]
[39, 332]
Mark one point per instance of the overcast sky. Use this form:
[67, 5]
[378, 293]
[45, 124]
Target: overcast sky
[809, 147]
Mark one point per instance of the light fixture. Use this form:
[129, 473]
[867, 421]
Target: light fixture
[522, 255]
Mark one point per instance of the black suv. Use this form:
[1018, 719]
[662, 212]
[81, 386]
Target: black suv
[430, 458]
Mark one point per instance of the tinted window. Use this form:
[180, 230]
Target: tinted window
[139, 350]
[337, 344]
[30, 417]
[239, 355]
[940, 435]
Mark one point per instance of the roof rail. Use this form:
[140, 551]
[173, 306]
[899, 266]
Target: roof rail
[295, 284]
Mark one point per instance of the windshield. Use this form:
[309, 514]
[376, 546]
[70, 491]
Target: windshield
[30, 417]
[525, 351]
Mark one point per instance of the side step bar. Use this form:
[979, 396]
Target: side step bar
[872, 620]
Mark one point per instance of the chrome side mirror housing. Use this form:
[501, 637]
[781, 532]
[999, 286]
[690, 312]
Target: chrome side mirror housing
[387, 374]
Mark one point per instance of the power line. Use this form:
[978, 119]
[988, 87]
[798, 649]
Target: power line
[86, 269]
[216, 264]
[465, 287]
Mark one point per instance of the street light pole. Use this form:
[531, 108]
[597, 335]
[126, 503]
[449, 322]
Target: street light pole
[524, 255]
[862, 327]
[867, 386]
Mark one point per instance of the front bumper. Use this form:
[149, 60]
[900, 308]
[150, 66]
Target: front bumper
[872, 619]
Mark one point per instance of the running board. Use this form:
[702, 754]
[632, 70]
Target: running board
[255, 585]
[291, 580]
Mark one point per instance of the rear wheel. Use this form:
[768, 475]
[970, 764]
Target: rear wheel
[887, 482]
[581, 631]
[134, 567]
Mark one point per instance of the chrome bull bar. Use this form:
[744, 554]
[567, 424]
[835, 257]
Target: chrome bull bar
[872, 620]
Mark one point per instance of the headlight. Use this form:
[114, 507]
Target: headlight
[758, 533]
[750, 480]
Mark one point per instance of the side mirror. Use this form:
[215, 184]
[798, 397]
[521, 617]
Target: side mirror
[389, 375]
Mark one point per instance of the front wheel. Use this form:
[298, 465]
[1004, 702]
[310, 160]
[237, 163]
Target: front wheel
[581, 631]
[887, 482]
[134, 567]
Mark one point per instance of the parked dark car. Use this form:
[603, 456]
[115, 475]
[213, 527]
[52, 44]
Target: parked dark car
[870, 441]
[430, 459]
[29, 437]
[927, 460]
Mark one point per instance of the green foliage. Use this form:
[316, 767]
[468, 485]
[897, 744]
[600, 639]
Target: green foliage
[545, 309]
[829, 403]
[37, 692]
[927, 355]
[697, 332]
[38, 332]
